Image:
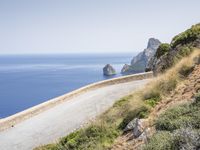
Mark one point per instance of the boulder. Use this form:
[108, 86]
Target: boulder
[145, 135]
[125, 69]
[138, 129]
[108, 70]
[131, 125]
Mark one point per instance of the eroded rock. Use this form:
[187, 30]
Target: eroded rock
[108, 70]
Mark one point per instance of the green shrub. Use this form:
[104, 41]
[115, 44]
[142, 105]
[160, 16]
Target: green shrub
[161, 141]
[89, 138]
[162, 50]
[184, 138]
[152, 101]
[187, 138]
[177, 128]
[186, 37]
[180, 117]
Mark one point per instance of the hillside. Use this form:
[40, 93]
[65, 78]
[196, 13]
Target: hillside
[169, 54]
[136, 121]
[166, 114]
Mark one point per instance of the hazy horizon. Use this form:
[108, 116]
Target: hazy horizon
[106, 26]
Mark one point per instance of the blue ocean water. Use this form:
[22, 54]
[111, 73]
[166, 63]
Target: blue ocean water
[28, 80]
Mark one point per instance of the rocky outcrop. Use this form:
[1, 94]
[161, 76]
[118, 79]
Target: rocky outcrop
[139, 129]
[180, 46]
[108, 70]
[126, 68]
[139, 62]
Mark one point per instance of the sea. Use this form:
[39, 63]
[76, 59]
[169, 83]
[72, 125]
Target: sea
[28, 80]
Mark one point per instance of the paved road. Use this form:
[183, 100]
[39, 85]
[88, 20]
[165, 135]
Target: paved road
[62, 119]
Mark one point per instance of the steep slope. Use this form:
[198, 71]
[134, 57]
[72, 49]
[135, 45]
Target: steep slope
[184, 92]
[139, 62]
[180, 46]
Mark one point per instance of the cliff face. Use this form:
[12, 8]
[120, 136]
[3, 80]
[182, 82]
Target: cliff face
[180, 46]
[139, 62]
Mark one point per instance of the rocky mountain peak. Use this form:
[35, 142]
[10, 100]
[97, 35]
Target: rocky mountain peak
[153, 43]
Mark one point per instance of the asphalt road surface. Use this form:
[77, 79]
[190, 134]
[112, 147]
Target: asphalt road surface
[65, 117]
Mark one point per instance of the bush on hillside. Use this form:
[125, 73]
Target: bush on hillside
[162, 50]
[186, 37]
[179, 117]
[177, 128]
[88, 139]
[184, 139]
[162, 140]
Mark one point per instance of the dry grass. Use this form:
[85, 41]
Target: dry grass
[162, 85]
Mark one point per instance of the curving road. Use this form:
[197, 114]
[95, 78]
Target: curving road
[65, 117]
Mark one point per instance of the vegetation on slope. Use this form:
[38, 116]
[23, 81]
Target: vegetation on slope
[182, 45]
[162, 50]
[178, 128]
[187, 37]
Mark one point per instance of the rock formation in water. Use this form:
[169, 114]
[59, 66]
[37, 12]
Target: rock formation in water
[108, 70]
[139, 62]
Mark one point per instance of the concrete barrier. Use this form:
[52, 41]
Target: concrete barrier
[18, 117]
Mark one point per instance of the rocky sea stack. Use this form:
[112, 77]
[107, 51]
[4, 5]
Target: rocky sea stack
[139, 62]
[108, 70]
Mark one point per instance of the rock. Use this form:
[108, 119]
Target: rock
[139, 62]
[138, 129]
[125, 69]
[108, 70]
[137, 125]
[145, 135]
[131, 125]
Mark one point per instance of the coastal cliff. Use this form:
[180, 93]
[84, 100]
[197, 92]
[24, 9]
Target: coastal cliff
[139, 62]
[169, 54]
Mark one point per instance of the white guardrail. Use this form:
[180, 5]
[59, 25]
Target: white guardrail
[30, 112]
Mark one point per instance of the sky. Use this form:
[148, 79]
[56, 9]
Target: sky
[91, 26]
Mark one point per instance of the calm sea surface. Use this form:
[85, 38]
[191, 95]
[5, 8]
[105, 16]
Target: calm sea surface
[28, 80]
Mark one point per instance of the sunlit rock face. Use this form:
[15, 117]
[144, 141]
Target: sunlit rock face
[139, 62]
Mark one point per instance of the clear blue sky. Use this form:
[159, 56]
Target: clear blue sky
[77, 26]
